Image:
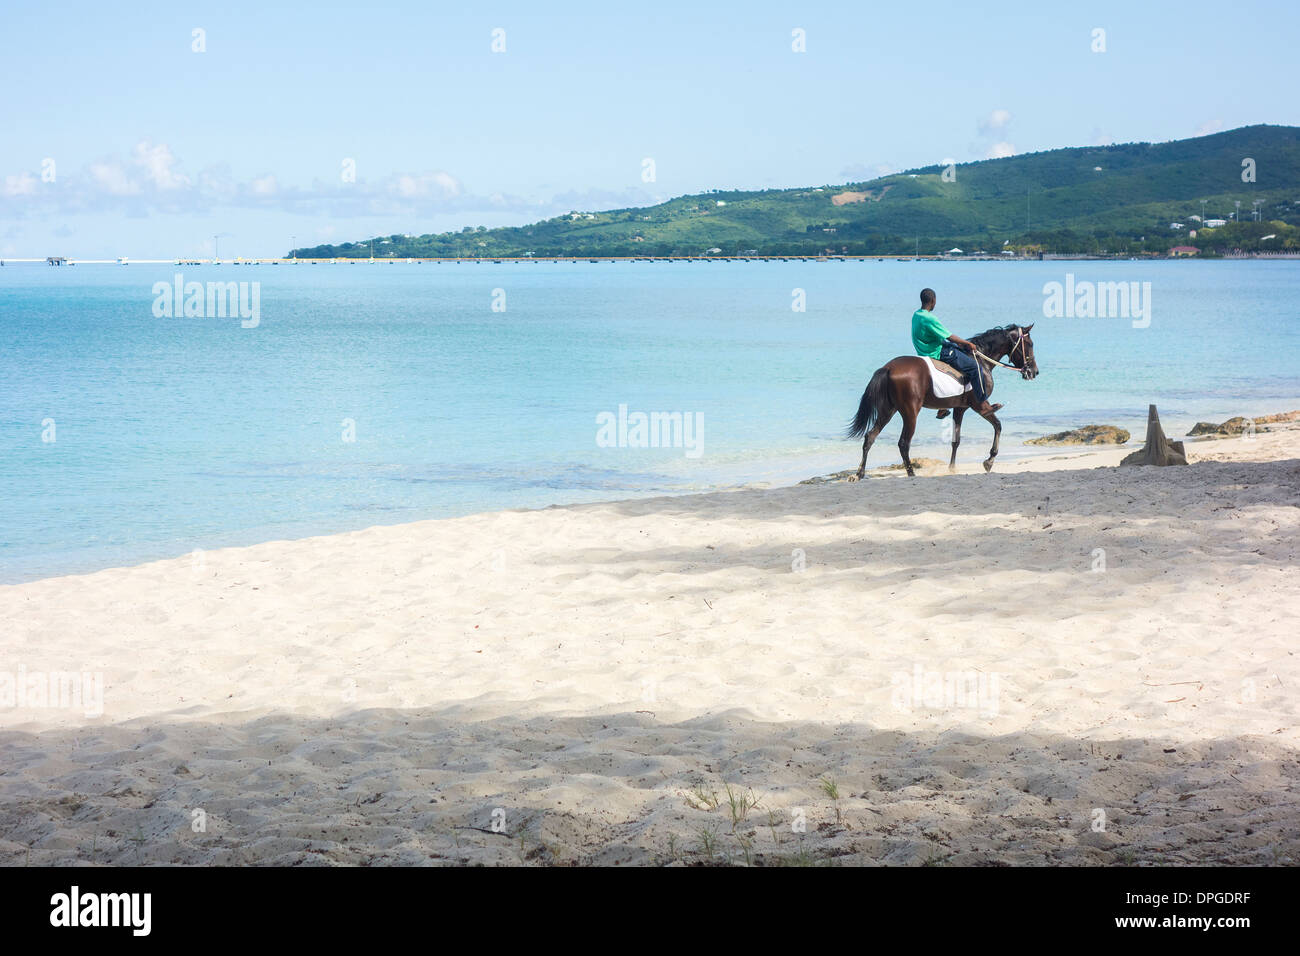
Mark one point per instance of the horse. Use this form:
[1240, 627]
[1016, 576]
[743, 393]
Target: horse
[903, 385]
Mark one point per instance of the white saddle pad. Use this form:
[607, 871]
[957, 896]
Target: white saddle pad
[944, 385]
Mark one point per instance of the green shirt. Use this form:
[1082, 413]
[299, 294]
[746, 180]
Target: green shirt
[928, 334]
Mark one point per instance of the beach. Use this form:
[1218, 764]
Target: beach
[1060, 662]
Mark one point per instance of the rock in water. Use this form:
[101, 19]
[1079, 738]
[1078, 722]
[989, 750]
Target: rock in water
[1158, 450]
[1087, 435]
[1233, 426]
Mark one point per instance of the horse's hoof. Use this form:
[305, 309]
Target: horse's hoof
[952, 469]
[988, 465]
[854, 477]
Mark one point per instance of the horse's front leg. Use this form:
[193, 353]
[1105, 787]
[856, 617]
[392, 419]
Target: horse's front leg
[956, 437]
[997, 434]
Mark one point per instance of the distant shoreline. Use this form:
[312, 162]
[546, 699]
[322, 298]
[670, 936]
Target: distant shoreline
[498, 260]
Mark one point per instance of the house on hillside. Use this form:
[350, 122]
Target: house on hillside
[1215, 223]
[1178, 252]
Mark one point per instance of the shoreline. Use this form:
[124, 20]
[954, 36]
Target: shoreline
[884, 463]
[595, 259]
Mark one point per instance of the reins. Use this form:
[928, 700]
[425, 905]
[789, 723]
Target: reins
[994, 361]
[1020, 341]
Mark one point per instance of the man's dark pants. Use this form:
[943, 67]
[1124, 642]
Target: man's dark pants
[965, 363]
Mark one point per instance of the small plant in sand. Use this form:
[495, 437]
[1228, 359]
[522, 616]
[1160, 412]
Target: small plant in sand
[704, 799]
[739, 804]
[801, 857]
[832, 790]
[746, 847]
[708, 842]
[772, 819]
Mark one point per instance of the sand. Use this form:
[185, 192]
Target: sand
[1061, 662]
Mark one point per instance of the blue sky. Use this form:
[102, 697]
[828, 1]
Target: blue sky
[157, 148]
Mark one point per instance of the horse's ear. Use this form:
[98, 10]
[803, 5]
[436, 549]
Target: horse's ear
[1028, 327]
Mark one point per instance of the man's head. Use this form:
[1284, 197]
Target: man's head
[927, 299]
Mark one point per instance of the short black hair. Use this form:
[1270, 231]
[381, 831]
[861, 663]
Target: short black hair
[927, 297]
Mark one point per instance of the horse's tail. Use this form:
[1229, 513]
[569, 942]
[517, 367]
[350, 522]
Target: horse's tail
[875, 403]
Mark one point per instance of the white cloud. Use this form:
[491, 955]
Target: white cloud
[995, 122]
[150, 181]
[23, 184]
[112, 179]
[1001, 150]
[158, 164]
[1208, 127]
[425, 185]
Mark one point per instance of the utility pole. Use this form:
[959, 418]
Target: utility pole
[1236, 216]
[1203, 202]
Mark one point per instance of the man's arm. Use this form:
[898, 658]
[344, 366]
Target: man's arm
[961, 343]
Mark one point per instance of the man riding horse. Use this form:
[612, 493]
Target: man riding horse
[932, 340]
[906, 384]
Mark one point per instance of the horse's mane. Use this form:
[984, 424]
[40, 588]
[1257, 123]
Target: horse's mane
[996, 335]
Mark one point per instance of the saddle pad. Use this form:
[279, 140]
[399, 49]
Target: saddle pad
[945, 384]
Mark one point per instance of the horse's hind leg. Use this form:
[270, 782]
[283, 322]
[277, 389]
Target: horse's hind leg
[997, 433]
[956, 437]
[870, 440]
[905, 440]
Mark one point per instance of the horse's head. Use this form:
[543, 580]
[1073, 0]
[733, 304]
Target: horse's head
[1022, 352]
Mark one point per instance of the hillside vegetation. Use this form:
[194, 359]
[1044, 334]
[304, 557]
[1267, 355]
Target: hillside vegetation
[1118, 200]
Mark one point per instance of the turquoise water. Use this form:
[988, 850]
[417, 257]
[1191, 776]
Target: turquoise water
[178, 433]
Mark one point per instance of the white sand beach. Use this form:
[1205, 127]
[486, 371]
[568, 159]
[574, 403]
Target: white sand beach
[1060, 662]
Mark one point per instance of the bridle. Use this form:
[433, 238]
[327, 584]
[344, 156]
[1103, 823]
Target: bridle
[1020, 341]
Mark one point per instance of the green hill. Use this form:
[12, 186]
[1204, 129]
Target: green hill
[1098, 199]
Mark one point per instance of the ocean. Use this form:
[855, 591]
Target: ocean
[353, 394]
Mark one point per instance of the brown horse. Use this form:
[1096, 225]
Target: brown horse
[903, 386]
